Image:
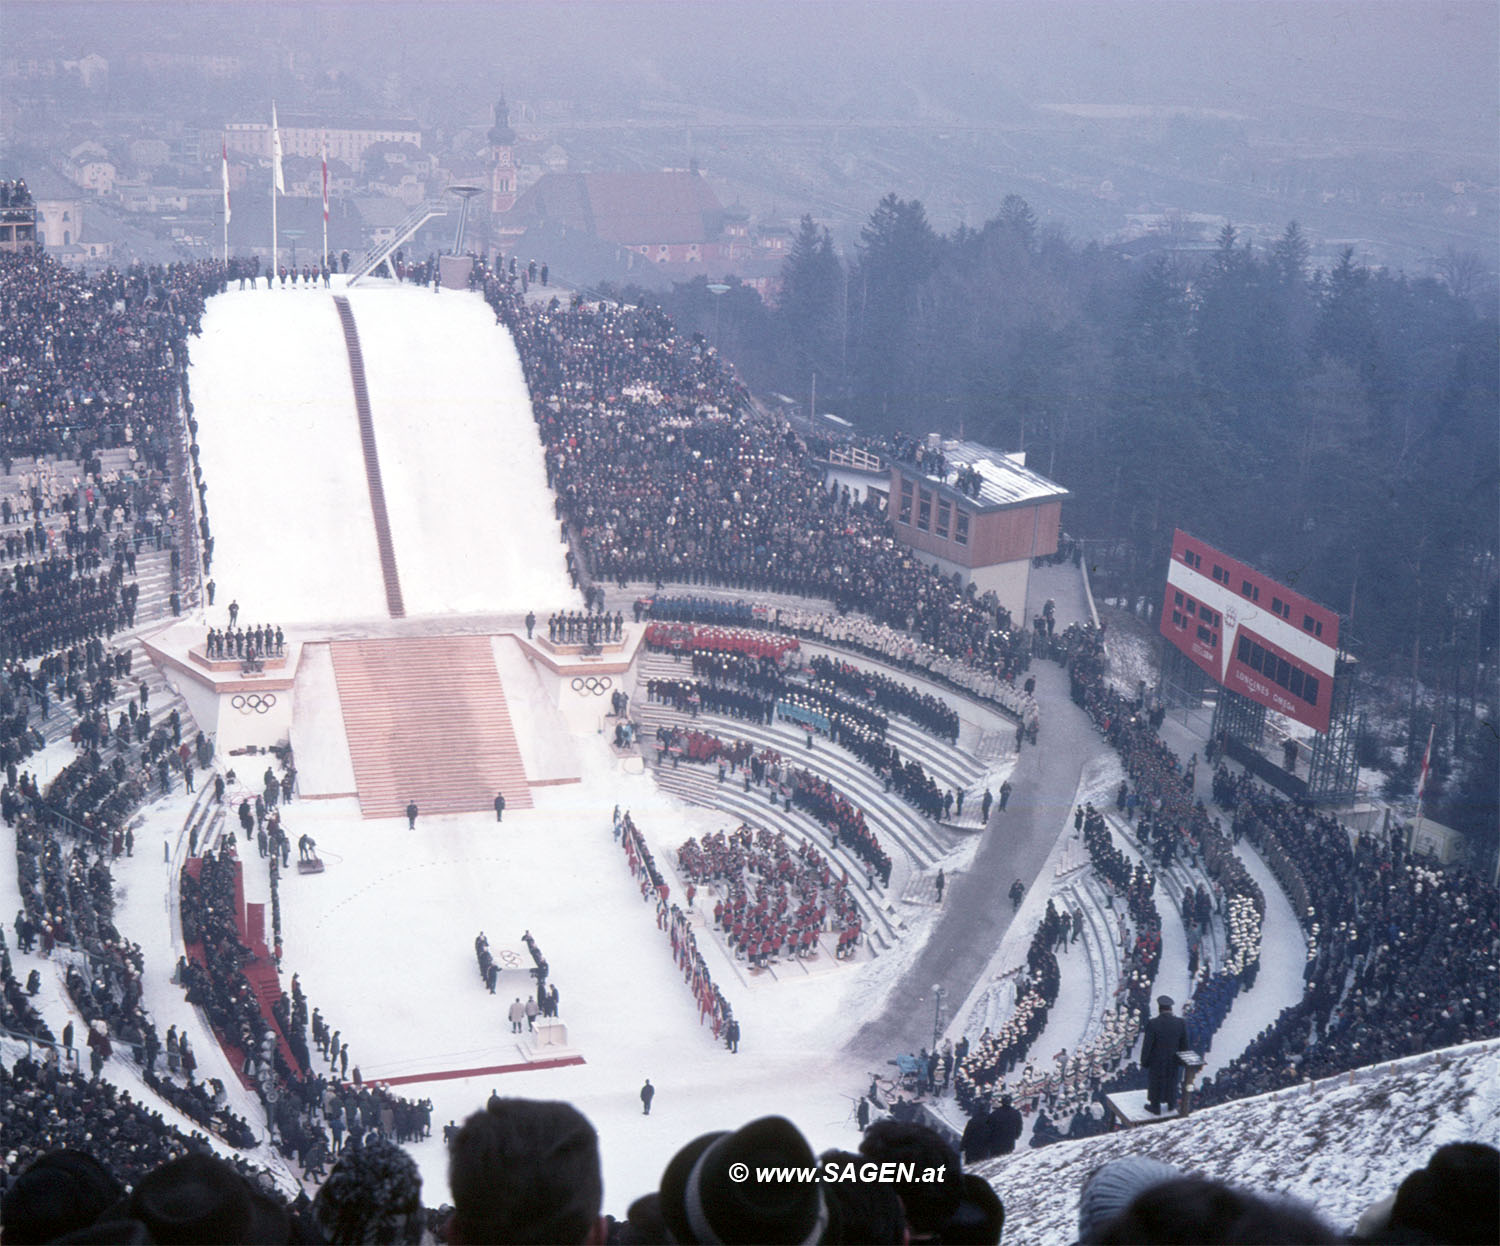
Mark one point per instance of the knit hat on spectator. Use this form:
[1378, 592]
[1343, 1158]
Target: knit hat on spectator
[202, 1198]
[1455, 1198]
[1109, 1189]
[373, 1194]
[703, 1202]
[62, 1191]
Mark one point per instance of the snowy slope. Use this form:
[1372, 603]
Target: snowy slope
[471, 515]
[1339, 1145]
[279, 446]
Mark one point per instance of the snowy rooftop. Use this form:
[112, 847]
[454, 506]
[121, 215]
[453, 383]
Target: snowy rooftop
[1005, 480]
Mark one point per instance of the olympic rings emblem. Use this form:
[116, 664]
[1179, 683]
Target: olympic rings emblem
[507, 959]
[597, 684]
[255, 703]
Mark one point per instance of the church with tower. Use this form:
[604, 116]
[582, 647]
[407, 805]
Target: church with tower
[503, 154]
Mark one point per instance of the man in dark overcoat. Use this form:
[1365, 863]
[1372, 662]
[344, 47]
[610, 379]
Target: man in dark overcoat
[1165, 1035]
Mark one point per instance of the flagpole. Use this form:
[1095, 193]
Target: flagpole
[1422, 788]
[224, 175]
[275, 168]
[325, 200]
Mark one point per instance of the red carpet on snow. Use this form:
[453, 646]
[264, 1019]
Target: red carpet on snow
[427, 721]
[453, 1074]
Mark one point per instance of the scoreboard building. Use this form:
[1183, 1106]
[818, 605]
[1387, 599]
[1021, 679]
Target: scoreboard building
[1267, 646]
[1250, 634]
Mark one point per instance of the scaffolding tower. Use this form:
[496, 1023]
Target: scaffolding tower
[1239, 718]
[1333, 770]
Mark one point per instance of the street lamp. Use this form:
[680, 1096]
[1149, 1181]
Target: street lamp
[937, 1013]
[718, 289]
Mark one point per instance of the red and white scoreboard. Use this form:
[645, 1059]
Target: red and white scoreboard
[1249, 633]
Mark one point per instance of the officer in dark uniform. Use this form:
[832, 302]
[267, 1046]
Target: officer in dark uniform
[1165, 1035]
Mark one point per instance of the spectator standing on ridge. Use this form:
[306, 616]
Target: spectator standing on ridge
[648, 1093]
[411, 815]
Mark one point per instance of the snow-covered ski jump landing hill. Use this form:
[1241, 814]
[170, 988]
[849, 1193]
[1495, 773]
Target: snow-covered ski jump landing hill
[470, 513]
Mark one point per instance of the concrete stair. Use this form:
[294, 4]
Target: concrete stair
[153, 572]
[383, 542]
[427, 721]
[161, 699]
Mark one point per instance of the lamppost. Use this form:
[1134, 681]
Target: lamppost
[718, 289]
[937, 1013]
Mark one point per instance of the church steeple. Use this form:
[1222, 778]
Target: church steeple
[503, 177]
[501, 135]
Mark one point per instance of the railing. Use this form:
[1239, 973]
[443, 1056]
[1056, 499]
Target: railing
[377, 255]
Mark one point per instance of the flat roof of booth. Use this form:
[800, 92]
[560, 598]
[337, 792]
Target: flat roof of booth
[1005, 480]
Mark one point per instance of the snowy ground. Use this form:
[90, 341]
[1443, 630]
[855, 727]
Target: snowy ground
[407, 995]
[1338, 1145]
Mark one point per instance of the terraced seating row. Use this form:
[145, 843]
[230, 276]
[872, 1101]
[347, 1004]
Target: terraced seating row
[1177, 880]
[699, 785]
[895, 823]
[919, 836]
[1100, 937]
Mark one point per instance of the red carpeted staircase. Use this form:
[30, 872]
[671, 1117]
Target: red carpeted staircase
[259, 971]
[427, 722]
[372, 461]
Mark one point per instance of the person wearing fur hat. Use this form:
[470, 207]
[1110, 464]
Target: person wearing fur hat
[1109, 1189]
[373, 1194]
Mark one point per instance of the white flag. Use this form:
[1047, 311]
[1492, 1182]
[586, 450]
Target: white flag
[224, 151]
[276, 152]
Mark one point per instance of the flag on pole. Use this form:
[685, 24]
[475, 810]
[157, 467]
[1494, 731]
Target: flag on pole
[276, 152]
[224, 152]
[325, 181]
[1426, 765]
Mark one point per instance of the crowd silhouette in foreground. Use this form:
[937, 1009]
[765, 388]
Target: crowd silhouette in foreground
[528, 1171]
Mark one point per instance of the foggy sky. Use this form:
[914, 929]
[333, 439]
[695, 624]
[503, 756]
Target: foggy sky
[1433, 63]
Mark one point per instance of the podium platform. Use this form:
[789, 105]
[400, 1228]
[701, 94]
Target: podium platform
[1128, 1108]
